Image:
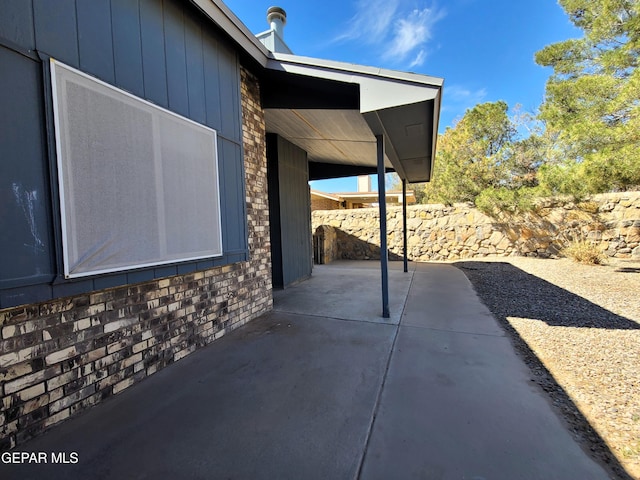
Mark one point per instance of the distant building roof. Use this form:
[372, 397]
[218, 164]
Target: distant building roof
[366, 197]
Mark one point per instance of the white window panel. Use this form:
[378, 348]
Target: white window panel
[138, 183]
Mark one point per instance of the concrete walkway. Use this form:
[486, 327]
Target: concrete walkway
[323, 388]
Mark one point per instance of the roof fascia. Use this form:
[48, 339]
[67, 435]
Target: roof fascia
[409, 86]
[326, 195]
[367, 77]
[358, 69]
[379, 88]
[436, 125]
[222, 16]
[373, 195]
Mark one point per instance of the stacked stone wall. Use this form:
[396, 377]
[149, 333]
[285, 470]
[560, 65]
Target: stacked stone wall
[439, 232]
[60, 357]
[325, 244]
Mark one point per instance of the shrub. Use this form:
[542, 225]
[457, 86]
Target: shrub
[584, 251]
[497, 200]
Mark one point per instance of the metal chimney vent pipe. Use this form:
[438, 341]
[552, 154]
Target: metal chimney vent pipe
[277, 18]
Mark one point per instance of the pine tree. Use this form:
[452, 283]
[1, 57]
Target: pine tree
[593, 97]
[473, 155]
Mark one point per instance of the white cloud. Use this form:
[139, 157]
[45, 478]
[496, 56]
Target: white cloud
[371, 21]
[458, 98]
[459, 94]
[419, 60]
[396, 30]
[412, 32]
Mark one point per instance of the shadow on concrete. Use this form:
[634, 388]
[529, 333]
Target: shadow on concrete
[527, 296]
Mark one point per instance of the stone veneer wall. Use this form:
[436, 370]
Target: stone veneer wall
[60, 357]
[325, 244]
[439, 232]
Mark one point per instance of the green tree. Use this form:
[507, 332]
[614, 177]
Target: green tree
[592, 99]
[393, 182]
[473, 155]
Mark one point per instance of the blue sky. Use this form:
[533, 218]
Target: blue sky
[483, 49]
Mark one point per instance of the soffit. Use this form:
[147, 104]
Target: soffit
[328, 136]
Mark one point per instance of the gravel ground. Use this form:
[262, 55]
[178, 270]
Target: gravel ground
[578, 329]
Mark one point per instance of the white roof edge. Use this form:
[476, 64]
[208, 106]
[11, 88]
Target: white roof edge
[355, 68]
[222, 16]
[436, 125]
[374, 82]
[373, 194]
[379, 88]
[330, 196]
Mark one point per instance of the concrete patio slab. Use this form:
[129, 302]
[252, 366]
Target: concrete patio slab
[348, 290]
[441, 395]
[434, 304]
[284, 397]
[459, 404]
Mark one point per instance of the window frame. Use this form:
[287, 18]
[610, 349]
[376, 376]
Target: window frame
[61, 185]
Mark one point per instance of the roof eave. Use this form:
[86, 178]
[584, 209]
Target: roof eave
[383, 93]
[358, 69]
[386, 98]
[222, 16]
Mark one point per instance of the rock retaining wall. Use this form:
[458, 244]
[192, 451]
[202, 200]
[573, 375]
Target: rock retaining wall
[439, 232]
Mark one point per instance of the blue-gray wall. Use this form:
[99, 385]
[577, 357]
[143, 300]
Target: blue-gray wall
[289, 211]
[164, 51]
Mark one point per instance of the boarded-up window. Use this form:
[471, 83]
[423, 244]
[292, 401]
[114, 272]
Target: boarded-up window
[138, 184]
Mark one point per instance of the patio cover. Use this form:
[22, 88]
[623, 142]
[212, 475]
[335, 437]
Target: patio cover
[335, 110]
[336, 123]
[350, 119]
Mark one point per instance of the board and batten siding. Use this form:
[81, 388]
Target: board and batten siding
[290, 211]
[165, 52]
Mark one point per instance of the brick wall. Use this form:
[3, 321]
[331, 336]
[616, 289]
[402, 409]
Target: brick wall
[60, 357]
[321, 203]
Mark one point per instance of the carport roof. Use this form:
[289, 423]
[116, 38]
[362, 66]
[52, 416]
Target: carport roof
[335, 110]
